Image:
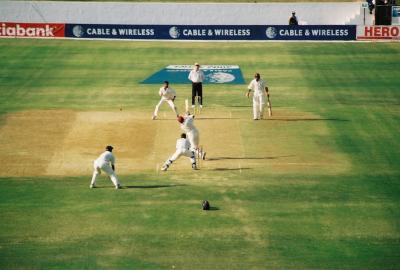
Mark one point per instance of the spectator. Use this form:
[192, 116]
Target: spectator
[371, 6]
[293, 19]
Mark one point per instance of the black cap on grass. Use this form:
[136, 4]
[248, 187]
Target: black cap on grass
[205, 205]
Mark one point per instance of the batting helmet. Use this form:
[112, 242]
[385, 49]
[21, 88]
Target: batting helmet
[109, 148]
[180, 119]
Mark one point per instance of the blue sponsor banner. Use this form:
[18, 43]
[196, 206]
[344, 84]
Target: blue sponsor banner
[311, 32]
[111, 31]
[396, 11]
[230, 74]
[212, 32]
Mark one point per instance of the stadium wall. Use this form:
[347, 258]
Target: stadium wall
[190, 21]
[179, 13]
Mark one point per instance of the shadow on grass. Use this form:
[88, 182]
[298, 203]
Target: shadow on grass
[306, 119]
[245, 158]
[199, 118]
[165, 119]
[216, 118]
[230, 169]
[144, 186]
[265, 119]
[155, 186]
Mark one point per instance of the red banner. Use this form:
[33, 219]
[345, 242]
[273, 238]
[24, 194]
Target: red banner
[36, 30]
[378, 32]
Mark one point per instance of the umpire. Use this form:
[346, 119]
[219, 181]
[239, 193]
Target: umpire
[196, 76]
[293, 20]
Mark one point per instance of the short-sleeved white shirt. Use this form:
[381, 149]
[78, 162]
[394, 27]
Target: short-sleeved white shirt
[188, 125]
[106, 158]
[182, 144]
[168, 93]
[196, 76]
[258, 87]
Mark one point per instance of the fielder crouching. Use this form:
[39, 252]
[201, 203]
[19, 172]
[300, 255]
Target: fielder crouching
[168, 95]
[182, 149]
[102, 163]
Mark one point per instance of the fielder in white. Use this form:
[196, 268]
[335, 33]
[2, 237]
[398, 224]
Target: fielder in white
[260, 94]
[105, 162]
[192, 133]
[182, 149]
[168, 95]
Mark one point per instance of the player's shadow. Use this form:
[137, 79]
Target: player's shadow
[165, 119]
[213, 208]
[216, 118]
[306, 119]
[230, 169]
[154, 186]
[246, 158]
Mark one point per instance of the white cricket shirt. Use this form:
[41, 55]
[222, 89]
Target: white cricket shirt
[196, 76]
[182, 144]
[258, 87]
[188, 125]
[168, 93]
[106, 158]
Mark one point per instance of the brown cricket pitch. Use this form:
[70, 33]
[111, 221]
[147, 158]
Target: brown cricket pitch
[65, 143]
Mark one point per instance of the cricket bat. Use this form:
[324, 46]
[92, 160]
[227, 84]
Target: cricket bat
[269, 107]
[187, 106]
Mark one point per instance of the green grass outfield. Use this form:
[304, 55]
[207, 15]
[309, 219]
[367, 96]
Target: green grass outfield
[315, 218]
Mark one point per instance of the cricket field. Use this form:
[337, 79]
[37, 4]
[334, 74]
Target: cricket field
[316, 186]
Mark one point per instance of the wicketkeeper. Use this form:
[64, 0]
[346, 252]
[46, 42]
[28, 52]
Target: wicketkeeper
[260, 96]
[182, 149]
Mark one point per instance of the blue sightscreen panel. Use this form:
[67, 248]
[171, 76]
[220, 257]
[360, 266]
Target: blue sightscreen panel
[178, 74]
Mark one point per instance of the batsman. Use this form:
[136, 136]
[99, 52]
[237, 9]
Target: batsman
[192, 133]
[260, 97]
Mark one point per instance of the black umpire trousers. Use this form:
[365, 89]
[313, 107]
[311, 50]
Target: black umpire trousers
[197, 90]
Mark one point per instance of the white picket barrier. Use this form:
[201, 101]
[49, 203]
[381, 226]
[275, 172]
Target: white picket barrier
[179, 13]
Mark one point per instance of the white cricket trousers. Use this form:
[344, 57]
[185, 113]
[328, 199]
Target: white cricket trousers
[258, 106]
[170, 103]
[179, 153]
[193, 137]
[105, 168]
